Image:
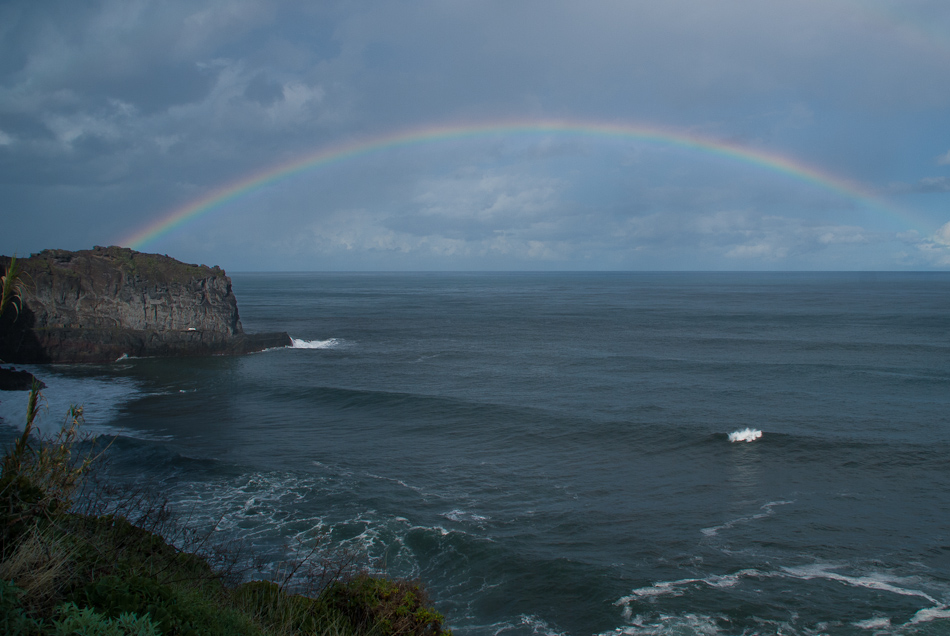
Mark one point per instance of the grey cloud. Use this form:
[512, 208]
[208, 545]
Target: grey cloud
[262, 90]
[162, 86]
[113, 113]
[925, 185]
[748, 235]
[932, 250]
[606, 53]
[477, 206]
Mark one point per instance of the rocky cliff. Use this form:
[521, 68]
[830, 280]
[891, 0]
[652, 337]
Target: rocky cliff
[98, 305]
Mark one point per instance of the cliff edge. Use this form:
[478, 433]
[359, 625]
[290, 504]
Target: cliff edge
[100, 304]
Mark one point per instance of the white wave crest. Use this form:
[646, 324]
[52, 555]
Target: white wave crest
[874, 623]
[664, 625]
[314, 344]
[745, 435]
[877, 581]
[769, 511]
[882, 582]
[680, 587]
[462, 515]
[930, 614]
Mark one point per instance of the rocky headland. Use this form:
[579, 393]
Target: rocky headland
[101, 304]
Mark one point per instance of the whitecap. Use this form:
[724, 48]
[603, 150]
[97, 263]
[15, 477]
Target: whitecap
[297, 343]
[872, 580]
[462, 515]
[930, 614]
[745, 435]
[874, 623]
[537, 626]
[768, 508]
[881, 582]
[663, 625]
[679, 587]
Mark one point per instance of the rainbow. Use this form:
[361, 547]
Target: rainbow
[352, 149]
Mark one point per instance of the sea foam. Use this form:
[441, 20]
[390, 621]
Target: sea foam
[873, 580]
[745, 435]
[769, 511]
[313, 344]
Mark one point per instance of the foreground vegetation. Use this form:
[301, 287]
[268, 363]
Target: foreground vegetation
[72, 563]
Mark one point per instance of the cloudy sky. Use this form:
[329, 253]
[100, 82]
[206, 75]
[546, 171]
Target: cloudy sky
[117, 115]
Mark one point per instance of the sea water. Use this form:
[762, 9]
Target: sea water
[571, 453]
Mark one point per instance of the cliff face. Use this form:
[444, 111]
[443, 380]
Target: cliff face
[97, 305]
[114, 287]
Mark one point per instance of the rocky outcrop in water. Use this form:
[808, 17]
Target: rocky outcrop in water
[17, 380]
[98, 305]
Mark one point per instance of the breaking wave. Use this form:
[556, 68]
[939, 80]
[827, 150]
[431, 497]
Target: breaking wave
[930, 593]
[745, 435]
[314, 344]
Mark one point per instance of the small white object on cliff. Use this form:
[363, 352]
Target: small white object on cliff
[745, 435]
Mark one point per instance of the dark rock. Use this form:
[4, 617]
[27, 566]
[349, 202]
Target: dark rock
[98, 305]
[13, 380]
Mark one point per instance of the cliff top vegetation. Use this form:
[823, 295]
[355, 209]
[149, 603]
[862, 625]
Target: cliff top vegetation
[155, 268]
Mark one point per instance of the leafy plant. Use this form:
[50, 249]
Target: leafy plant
[281, 613]
[386, 606]
[74, 621]
[114, 596]
[10, 284]
[40, 474]
[13, 619]
[177, 611]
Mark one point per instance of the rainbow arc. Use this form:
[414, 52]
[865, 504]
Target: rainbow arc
[643, 133]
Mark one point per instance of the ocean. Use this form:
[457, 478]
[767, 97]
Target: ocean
[571, 453]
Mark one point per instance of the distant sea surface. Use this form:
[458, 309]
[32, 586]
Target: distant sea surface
[551, 453]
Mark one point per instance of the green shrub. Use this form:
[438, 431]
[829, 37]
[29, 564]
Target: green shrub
[11, 283]
[280, 613]
[13, 619]
[111, 544]
[87, 622]
[384, 606]
[177, 611]
[40, 475]
[114, 596]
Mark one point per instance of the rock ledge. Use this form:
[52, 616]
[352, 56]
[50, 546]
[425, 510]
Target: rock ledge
[101, 304]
